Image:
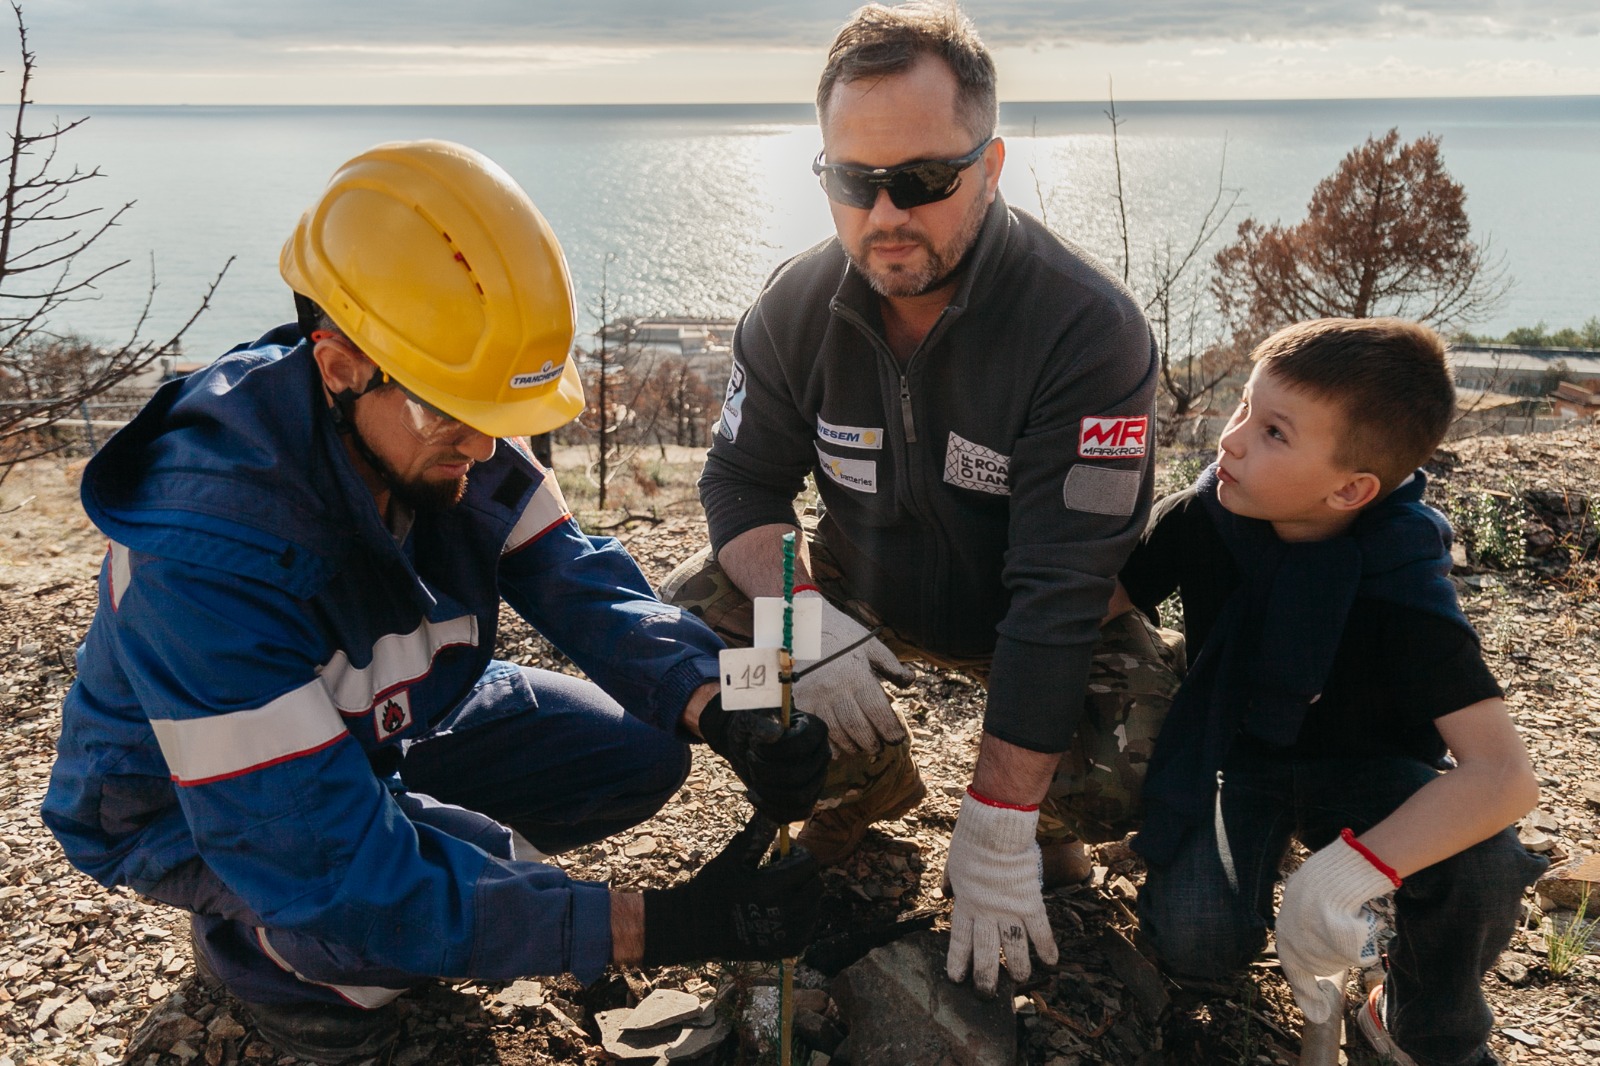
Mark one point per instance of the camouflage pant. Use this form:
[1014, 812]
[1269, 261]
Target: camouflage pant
[1095, 793]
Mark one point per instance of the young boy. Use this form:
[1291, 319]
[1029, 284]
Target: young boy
[1330, 671]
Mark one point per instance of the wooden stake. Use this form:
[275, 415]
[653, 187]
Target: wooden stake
[785, 676]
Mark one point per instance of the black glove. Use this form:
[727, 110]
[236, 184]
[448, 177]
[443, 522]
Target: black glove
[735, 908]
[782, 769]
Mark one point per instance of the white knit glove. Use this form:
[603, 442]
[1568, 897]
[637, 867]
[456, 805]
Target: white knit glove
[993, 870]
[846, 693]
[1325, 926]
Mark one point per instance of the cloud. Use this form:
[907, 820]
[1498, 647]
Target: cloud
[83, 28]
[1143, 21]
[474, 59]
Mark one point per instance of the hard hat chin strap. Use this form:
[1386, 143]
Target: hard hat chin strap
[344, 401]
[307, 314]
[343, 409]
[343, 413]
[314, 323]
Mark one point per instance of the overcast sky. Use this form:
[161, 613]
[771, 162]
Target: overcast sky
[661, 51]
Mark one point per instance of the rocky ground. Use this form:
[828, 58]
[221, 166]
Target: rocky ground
[99, 977]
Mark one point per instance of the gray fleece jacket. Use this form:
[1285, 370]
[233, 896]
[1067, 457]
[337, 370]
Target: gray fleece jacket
[983, 494]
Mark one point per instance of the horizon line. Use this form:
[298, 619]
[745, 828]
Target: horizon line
[808, 104]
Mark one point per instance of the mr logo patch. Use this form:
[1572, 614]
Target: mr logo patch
[392, 715]
[1107, 437]
[972, 466]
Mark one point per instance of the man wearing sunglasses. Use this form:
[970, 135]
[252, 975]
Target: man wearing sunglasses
[288, 720]
[973, 397]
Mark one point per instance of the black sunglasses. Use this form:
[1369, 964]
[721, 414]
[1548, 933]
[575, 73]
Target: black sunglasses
[909, 184]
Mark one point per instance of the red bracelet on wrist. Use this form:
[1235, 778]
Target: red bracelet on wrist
[1366, 853]
[986, 801]
[807, 588]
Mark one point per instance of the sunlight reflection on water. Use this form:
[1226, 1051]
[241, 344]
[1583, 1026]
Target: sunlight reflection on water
[687, 210]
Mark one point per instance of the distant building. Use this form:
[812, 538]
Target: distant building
[1506, 368]
[706, 344]
[1576, 399]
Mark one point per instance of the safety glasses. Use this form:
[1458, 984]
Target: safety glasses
[422, 420]
[909, 185]
[426, 422]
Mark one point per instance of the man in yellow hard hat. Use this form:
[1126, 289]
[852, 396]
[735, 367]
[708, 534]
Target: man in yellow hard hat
[287, 718]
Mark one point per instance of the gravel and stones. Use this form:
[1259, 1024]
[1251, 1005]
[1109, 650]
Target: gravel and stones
[96, 977]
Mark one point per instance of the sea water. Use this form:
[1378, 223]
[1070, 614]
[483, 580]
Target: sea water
[687, 209]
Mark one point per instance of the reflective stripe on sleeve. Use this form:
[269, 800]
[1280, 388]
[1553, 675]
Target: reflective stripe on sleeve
[369, 997]
[546, 509]
[202, 750]
[397, 659]
[121, 572]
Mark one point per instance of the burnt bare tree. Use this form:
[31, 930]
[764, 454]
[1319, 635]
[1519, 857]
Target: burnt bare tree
[683, 405]
[1386, 234]
[47, 375]
[615, 388]
[1195, 353]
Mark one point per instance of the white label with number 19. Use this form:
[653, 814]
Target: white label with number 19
[750, 678]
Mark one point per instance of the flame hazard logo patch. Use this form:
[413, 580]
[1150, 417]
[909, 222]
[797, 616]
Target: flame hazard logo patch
[392, 716]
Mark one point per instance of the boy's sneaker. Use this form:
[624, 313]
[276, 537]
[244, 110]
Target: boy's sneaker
[326, 1033]
[1370, 1017]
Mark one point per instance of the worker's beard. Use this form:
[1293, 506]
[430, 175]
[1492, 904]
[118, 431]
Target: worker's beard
[426, 496]
[416, 493]
[940, 263]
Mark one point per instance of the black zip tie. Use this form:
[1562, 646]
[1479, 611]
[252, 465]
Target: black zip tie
[824, 662]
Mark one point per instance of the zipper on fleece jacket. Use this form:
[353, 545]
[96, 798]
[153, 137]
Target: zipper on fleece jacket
[907, 422]
[907, 418]
[905, 409]
[926, 515]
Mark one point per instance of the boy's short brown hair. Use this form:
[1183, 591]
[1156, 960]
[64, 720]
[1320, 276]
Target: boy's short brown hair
[878, 41]
[1389, 378]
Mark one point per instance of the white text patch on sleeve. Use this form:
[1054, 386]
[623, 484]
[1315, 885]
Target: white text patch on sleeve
[1099, 490]
[733, 404]
[972, 466]
[858, 474]
[1107, 437]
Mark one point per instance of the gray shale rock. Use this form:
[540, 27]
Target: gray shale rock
[524, 993]
[1135, 971]
[162, 1030]
[696, 1040]
[75, 1014]
[664, 1007]
[682, 1039]
[1569, 884]
[901, 1008]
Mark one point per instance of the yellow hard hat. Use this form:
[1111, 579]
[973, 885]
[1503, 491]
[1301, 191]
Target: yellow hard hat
[435, 263]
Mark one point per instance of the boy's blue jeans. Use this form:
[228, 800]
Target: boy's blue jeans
[570, 769]
[1207, 913]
